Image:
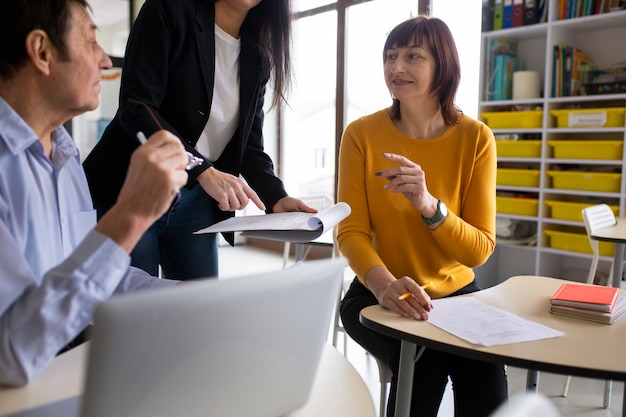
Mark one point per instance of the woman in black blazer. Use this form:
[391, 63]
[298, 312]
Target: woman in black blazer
[199, 68]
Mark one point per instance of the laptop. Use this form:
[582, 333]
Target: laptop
[246, 346]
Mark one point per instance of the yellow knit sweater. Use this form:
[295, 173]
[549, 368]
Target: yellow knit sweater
[385, 229]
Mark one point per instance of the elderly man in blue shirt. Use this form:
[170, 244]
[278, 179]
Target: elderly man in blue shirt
[56, 262]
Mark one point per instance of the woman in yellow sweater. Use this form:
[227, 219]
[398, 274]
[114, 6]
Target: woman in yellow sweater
[420, 178]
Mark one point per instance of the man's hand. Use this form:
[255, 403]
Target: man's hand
[155, 174]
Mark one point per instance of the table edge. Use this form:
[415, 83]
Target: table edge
[489, 356]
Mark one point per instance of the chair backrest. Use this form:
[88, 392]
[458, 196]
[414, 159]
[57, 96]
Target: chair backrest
[598, 217]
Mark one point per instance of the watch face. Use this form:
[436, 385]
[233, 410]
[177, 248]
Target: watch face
[442, 212]
[443, 209]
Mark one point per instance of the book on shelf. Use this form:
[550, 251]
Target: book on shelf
[504, 68]
[592, 315]
[567, 65]
[542, 11]
[496, 48]
[293, 226]
[583, 296]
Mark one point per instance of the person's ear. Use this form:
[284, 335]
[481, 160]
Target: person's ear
[39, 50]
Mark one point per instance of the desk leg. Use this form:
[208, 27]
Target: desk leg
[532, 380]
[302, 250]
[405, 378]
[618, 261]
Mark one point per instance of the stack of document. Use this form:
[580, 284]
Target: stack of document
[588, 302]
[293, 226]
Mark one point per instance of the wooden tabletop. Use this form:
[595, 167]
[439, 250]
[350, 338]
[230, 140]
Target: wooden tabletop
[587, 349]
[615, 233]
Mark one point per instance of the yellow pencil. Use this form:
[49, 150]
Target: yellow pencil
[409, 293]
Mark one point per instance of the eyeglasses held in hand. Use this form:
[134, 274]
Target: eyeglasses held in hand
[192, 160]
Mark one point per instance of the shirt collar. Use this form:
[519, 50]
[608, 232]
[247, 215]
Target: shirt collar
[18, 136]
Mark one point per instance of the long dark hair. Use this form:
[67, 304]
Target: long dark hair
[270, 23]
[19, 17]
[436, 35]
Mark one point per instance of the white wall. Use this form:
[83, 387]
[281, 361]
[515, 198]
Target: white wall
[464, 19]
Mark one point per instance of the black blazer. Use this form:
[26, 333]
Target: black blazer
[169, 64]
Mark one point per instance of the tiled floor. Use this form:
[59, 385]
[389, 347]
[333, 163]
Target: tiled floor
[584, 397]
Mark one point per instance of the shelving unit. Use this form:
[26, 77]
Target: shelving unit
[602, 37]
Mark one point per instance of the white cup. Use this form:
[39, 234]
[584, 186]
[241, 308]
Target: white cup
[526, 85]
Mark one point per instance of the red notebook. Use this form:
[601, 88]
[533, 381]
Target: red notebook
[591, 297]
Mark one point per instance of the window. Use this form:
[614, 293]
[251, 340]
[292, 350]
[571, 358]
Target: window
[329, 92]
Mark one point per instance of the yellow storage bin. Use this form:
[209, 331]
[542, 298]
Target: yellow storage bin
[518, 177]
[586, 181]
[587, 149]
[576, 242]
[569, 210]
[529, 119]
[517, 205]
[519, 148]
[601, 117]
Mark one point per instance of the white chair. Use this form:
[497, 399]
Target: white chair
[384, 377]
[319, 202]
[384, 371]
[596, 217]
[527, 404]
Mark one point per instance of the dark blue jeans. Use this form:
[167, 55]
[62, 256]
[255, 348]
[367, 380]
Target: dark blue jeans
[479, 387]
[171, 243]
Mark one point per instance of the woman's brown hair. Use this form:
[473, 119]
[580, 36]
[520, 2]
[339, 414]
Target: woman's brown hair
[435, 34]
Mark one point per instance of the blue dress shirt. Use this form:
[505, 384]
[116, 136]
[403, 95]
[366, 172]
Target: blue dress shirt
[54, 267]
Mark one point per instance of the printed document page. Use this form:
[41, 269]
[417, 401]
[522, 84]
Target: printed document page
[482, 324]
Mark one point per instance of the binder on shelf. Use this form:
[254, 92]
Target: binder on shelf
[498, 10]
[530, 12]
[507, 14]
[487, 22]
[518, 13]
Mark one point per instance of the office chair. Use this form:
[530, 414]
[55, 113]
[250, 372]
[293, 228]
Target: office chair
[319, 202]
[596, 217]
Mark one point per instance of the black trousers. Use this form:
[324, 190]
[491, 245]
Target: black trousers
[479, 387]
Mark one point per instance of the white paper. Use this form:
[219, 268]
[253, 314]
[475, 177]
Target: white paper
[291, 226]
[483, 324]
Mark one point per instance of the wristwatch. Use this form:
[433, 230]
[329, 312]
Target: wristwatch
[442, 212]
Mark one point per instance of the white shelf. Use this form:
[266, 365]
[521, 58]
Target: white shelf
[601, 37]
